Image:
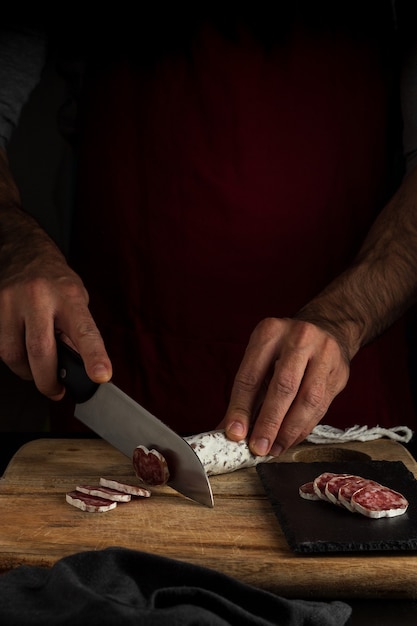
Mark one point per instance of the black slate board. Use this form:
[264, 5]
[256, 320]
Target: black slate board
[321, 527]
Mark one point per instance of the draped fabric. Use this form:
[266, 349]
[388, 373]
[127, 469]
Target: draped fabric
[121, 586]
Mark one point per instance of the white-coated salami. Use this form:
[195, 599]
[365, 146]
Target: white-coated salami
[219, 455]
[133, 490]
[104, 492]
[91, 504]
[378, 501]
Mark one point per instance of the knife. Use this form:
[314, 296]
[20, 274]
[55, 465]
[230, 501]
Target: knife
[125, 424]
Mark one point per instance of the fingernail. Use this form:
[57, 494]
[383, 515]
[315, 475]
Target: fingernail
[100, 372]
[236, 428]
[260, 446]
[276, 450]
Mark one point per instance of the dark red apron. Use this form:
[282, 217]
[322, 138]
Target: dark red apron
[221, 187]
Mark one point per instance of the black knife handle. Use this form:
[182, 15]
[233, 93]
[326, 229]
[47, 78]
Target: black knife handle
[71, 372]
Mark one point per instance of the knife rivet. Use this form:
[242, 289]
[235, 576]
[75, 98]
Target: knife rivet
[62, 373]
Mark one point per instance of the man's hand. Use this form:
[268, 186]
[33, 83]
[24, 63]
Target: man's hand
[292, 370]
[40, 297]
[48, 300]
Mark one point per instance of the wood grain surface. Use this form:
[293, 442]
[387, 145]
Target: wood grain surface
[240, 536]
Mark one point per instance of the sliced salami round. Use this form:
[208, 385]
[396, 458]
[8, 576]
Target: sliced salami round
[150, 466]
[378, 501]
[319, 484]
[333, 485]
[91, 504]
[104, 492]
[133, 490]
[347, 490]
[307, 492]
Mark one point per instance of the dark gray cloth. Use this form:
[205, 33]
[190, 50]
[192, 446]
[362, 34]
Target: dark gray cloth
[121, 586]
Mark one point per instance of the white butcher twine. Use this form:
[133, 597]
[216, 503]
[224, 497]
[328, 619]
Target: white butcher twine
[328, 434]
[220, 455]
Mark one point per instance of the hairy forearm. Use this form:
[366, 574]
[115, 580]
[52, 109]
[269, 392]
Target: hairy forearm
[381, 285]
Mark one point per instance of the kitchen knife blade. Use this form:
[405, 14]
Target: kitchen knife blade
[121, 421]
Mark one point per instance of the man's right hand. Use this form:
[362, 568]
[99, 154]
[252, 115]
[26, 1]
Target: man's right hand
[40, 297]
[44, 299]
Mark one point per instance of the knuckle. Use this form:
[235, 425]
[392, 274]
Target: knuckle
[305, 334]
[284, 382]
[86, 328]
[302, 435]
[246, 381]
[36, 287]
[38, 346]
[74, 289]
[270, 423]
[286, 438]
[39, 342]
[268, 328]
[293, 433]
[314, 397]
[302, 333]
[290, 432]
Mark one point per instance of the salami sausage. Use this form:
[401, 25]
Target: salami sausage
[378, 501]
[220, 455]
[91, 504]
[150, 466]
[104, 492]
[133, 490]
[217, 453]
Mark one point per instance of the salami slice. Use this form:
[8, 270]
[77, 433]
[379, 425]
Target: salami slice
[319, 484]
[347, 490]
[91, 504]
[104, 492]
[219, 455]
[378, 501]
[150, 466]
[133, 490]
[307, 492]
[333, 485]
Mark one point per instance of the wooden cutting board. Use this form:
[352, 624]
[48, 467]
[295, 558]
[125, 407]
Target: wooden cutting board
[240, 536]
